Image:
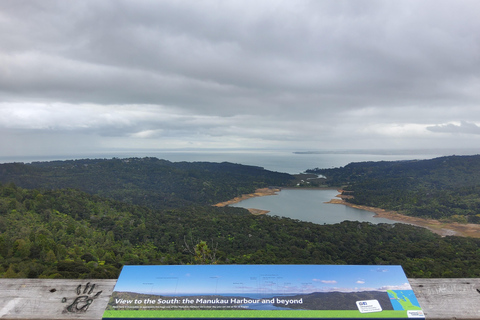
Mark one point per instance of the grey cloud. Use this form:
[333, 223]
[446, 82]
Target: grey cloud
[464, 127]
[265, 49]
[296, 72]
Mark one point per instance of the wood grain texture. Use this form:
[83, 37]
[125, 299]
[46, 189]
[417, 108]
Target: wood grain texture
[36, 299]
[49, 299]
[448, 298]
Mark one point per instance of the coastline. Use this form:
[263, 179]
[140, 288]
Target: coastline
[441, 228]
[262, 192]
[436, 226]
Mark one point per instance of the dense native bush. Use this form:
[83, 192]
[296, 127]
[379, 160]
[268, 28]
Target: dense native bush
[443, 188]
[70, 234]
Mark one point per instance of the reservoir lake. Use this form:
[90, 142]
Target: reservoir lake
[309, 205]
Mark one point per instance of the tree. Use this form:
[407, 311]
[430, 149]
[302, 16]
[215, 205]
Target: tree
[202, 253]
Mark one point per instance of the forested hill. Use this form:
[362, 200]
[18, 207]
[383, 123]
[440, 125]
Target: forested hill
[441, 188]
[49, 228]
[145, 181]
[71, 234]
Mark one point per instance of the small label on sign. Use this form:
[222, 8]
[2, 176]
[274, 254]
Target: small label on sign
[415, 314]
[367, 306]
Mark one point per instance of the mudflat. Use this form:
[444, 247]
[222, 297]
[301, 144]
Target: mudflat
[258, 193]
[436, 226]
[439, 227]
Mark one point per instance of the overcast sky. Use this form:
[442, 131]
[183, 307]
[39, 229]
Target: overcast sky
[84, 76]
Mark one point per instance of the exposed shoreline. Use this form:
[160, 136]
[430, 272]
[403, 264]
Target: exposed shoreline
[436, 226]
[258, 193]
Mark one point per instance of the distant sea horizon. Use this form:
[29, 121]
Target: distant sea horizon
[288, 161]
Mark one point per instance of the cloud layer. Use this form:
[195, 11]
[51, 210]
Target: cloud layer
[236, 74]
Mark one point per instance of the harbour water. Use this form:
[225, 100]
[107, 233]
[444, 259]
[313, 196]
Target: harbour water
[310, 205]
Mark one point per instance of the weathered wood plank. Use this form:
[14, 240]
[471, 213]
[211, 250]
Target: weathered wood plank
[448, 298]
[39, 299]
[54, 298]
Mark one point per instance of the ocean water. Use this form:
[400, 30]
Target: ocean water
[282, 161]
[274, 160]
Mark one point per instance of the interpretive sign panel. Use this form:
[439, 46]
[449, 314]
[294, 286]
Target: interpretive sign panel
[263, 291]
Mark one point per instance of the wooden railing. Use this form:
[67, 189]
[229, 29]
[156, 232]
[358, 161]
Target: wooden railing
[67, 299]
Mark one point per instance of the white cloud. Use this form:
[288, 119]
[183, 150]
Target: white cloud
[325, 281]
[396, 130]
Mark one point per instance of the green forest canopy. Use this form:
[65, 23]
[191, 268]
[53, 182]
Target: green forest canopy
[145, 181]
[445, 188]
[56, 222]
